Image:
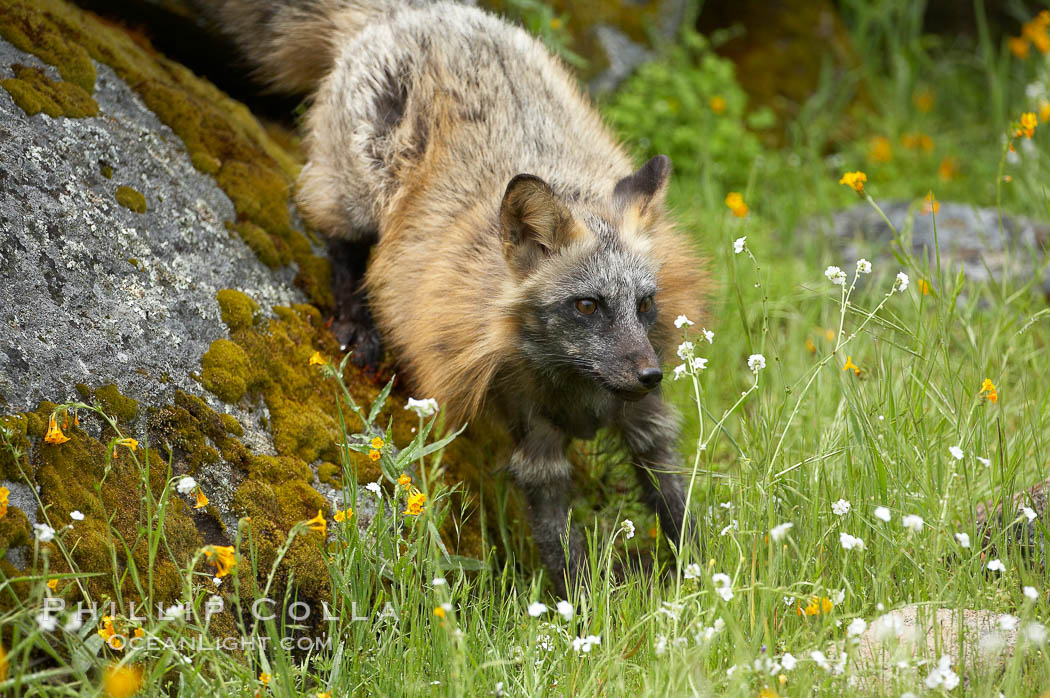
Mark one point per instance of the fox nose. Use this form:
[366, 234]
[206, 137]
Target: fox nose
[650, 377]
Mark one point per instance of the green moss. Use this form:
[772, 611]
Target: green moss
[105, 170]
[116, 405]
[34, 92]
[32, 31]
[231, 425]
[204, 162]
[330, 474]
[236, 308]
[271, 250]
[226, 370]
[131, 199]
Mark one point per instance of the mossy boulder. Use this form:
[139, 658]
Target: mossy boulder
[186, 313]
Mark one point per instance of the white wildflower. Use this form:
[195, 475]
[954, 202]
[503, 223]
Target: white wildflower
[901, 284]
[863, 266]
[1008, 622]
[956, 452]
[627, 526]
[565, 609]
[731, 526]
[699, 364]
[883, 514]
[217, 581]
[708, 335]
[174, 612]
[850, 542]
[756, 362]
[942, 675]
[692, 571]
[43, 533]
[584, 644]
[983, 461]
[1035, 632]
[856, 627]
[835, 275]
[680, 370]
[424, 408]
[681, 321]
[76, 515]
[73, 623]
[661, 645]
[46, 622]
[841, 507]
[912, 522]
[838, 596]
[739, 244]
[723, 585]
[375, 488]
[788, 661]
[1029, 512]
[821, 660]
[186, 484]
[439, 582]
[685, 350]
[778, 532]
[1031, 593]
[887, 627]
[537, 609]
[964, 539]
[996, 565]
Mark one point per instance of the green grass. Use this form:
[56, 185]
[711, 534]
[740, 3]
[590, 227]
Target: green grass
[806, 434]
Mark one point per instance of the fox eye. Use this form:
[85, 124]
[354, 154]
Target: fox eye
[645, 305]
[586, 306]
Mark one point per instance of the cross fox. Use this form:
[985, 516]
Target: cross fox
[521, 269]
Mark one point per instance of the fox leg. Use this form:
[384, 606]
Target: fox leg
[542, 472]
[650, 429]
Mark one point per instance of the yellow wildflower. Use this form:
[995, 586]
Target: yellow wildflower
[414, 505]
[1018, 46]
[439, 612]
[341, 515]
[555, 23]
[374, 454]
[717, 104]
[768, 693]
[1044, 111]
[52, 583]
[132, 444]
[76, 418]
[1027, 125]
[139, 632]
[783, 679]
[948, 169]
[880, 149]
[810, 346]
[4, 494]
[105, 628]
[850, 364]
[736, 204]
[404, 480]
[264, 679]
[1035, 31]
[54, 434]
[816, 606]
[829, 334]
[318, 524]
[377, 443]
[202, 500]
[3, 663]
[122, 681]
[917, 141]
[317, 360]
[923, 99]
[223, 557]
[930, 204]
[115, 642]
[855, 181]
[992, 393]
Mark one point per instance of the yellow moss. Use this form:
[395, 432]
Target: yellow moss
[236, 308]
[270, 249]
[330, 474]
[208, 164]
[105, 170]
[34, 92]
[231, 425]
[116, 405]
[131, 199]
[226, 370]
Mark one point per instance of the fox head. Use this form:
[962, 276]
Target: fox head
[588, 295]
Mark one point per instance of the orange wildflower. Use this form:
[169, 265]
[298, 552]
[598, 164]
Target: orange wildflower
[202, 500]
[736, 204]
[930, 204]
[415, 502]
[223, 557]
[122, 681]
[317, 360]
[717, 104]
[850, 364]
[318, 524]
[855, 181]
[880, 149]
[54, 434]
[989, 390]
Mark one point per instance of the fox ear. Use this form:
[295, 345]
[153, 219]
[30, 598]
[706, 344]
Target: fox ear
[534, 222]
[648, 186]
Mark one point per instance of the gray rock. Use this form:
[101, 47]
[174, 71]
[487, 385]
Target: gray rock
[966, 235]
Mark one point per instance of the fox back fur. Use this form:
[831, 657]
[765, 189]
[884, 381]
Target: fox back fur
[521, 267]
